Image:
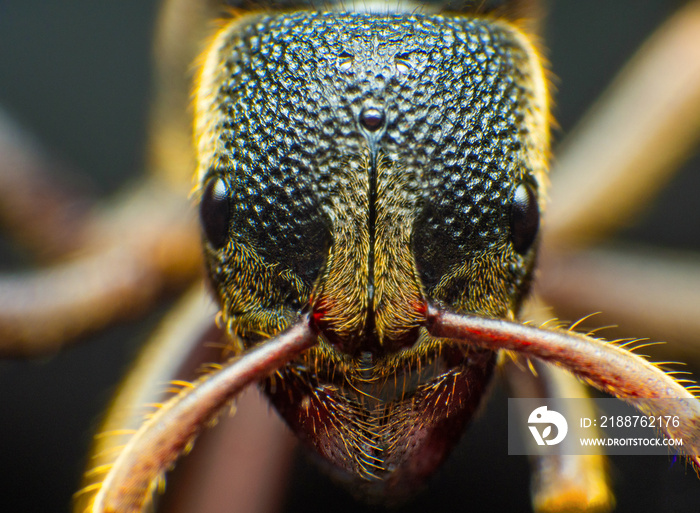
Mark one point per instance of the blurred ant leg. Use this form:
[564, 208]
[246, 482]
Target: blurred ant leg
[606, 366]
[182, 32]
[562, 482]
[657, 292]
[635, 136]
[185, 341]
[126, 255]
[41, 213]
[144, 246]
[244, 460]
[171, 431]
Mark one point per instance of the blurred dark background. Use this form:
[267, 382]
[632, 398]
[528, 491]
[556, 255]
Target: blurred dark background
[76, 75]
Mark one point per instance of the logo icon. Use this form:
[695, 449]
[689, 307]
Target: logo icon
[543, 416]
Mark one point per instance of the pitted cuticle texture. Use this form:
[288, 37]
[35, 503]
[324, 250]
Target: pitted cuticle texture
[450, 154]
[364, 226]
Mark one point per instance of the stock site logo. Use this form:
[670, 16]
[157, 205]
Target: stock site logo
[549, 417]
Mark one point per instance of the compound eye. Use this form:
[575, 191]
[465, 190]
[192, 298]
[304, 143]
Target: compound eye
[524, 218]
[215, 212]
